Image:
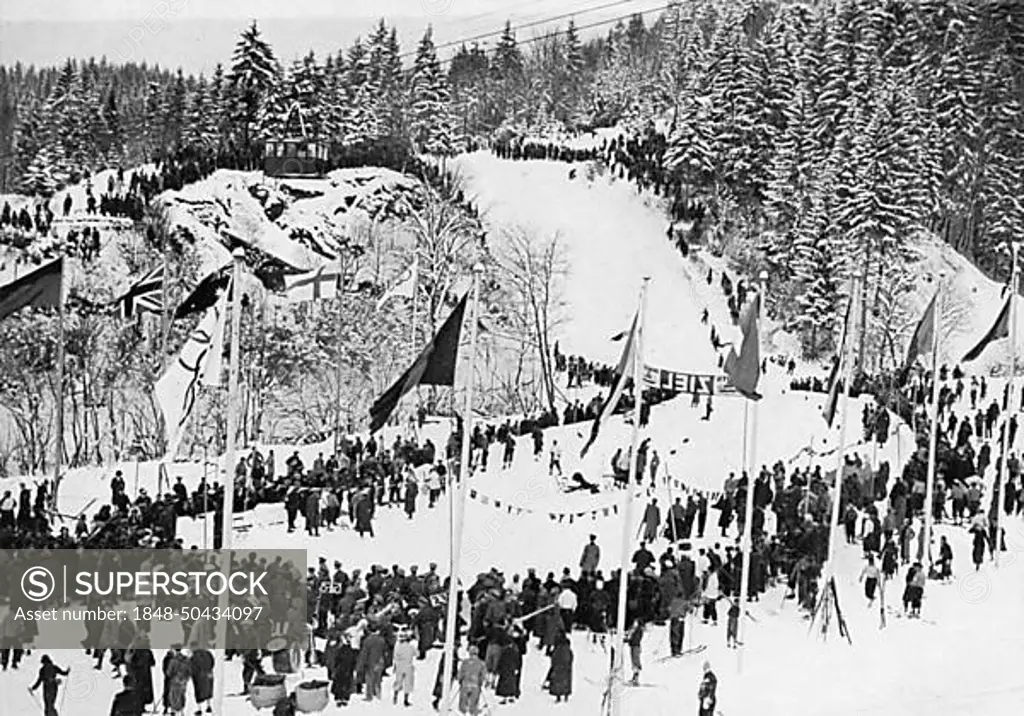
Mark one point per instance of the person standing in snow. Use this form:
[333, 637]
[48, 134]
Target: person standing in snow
[555, 465]
[560, 673]
[978, 551]
[434, 483]
[945, 560]
[707, 693]
[404, 660]
[412, 491]
[591, 557]
[870, 576]
[652, 520]
[509, 452]
[635, 641]
[177, 673]
[127, 702]
[732, 624]
[472, 673]
[371, 662]
[48, 674]
[201, 664]
[711, 597]
[510, 667]
[567, 604]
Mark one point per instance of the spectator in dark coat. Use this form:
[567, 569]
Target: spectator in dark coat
[201, 664]
[510, 667]
[364, 514]
[412, 491]
[140, 669]
[312, 513]
[128, 702]
[560, 674]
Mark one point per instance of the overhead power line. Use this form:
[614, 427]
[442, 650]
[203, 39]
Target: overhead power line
[589, 26]
[526, 26]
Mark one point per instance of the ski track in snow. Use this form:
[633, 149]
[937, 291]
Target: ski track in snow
[967, 663]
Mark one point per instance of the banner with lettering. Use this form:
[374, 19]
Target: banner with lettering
[678, 382]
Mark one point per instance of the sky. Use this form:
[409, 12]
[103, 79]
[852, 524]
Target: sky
[197, 34]
[106, 10]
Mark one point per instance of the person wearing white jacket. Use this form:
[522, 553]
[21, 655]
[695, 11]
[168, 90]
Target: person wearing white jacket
[711, 595]
[567, 603]
[404, 661]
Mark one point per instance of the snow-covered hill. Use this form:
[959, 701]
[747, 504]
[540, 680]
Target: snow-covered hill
[296, 221]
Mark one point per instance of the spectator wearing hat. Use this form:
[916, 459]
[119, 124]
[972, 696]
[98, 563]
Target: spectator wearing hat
[591, 556]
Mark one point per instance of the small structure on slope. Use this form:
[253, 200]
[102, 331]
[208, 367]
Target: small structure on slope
[295, 155]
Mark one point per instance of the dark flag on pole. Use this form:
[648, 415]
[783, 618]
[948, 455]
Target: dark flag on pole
[744, 370]
[435, 365]
[834, 377]
[923, 341]
[39, 289]
[622, 375]
[204, 296]
[1001, 329]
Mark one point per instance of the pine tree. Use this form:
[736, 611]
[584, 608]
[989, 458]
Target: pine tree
[112, 119]
[817, 273]
[507, 69]
[155, 113]
[363, 93]
[432, 127]
[174, 117]
[255, 74]
[386, 77]
[45, 174]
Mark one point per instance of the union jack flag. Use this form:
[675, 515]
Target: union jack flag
[145, 296]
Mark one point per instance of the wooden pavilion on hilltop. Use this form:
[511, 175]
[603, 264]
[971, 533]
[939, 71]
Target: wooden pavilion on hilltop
[295, 155]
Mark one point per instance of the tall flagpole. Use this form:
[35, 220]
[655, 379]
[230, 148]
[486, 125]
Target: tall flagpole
[339, 331]
[997, 492]
[58, 457]
[412, 326]
[747, 544]
[617, 681]
[933, 432]
[457, 491]
[228, 521]
[846, 361]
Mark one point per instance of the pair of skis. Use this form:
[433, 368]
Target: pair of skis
[693, 651]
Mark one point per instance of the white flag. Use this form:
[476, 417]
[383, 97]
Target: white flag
[405, 287]
[213, 367]
[176, 390]
[312, 286]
